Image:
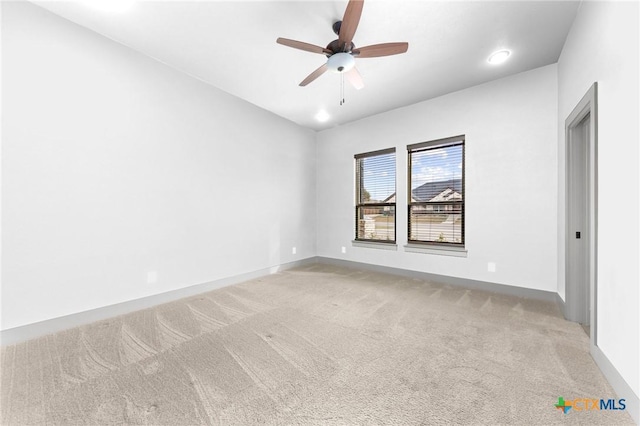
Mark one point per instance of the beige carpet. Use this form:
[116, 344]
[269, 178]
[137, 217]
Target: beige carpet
[317, 345]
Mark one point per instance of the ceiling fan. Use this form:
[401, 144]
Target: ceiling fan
[341, 53]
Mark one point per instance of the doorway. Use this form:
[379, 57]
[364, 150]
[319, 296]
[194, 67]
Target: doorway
[581, 211]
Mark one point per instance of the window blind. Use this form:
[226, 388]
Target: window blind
[436, 199]
[376, 196]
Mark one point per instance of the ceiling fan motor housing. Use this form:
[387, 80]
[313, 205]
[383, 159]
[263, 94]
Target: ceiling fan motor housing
[334, 46]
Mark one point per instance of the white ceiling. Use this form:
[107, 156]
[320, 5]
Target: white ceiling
[232, 45]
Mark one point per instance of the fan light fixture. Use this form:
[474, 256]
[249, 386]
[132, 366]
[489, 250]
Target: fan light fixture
[498, 57]
[341, 62]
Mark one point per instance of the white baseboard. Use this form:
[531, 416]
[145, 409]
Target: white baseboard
[617, 382]
[562, 305]
[42, 328]
[528, 293]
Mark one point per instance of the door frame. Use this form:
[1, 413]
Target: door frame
[586, 106]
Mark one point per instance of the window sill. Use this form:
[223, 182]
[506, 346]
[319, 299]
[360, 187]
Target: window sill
[442, 251]
[374, 245]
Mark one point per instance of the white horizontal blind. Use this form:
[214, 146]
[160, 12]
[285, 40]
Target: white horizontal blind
[376, 196]
[436, 179]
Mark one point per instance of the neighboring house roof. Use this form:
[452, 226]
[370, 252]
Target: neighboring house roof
[444, 190]
[447, 195]
[392, 199]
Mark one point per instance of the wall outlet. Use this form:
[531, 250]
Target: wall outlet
[344, 249]
[293, 250]
[152, 277]
[491, 267]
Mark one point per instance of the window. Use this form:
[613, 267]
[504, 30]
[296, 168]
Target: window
[436, 199]
[376, 196]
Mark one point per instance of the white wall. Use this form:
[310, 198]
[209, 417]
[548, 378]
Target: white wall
[115, 165]
[603, 46]
[510, 127]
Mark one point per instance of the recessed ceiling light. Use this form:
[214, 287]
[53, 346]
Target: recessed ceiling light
[322, 116]
[498, 57]
[112, 6]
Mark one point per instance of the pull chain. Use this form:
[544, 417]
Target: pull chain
[341, 89]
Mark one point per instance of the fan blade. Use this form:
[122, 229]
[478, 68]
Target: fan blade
[350, 23]
[317, 73]
[384, 49]
[355, 78]
[303, 46]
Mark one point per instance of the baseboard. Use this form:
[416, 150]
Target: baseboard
[42, 328]
[562, 305]
[528, 293]
[617, 382]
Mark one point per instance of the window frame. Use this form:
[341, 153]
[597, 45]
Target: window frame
[425, 146]
[359, 205]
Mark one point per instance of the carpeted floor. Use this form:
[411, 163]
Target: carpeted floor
[317, 345]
